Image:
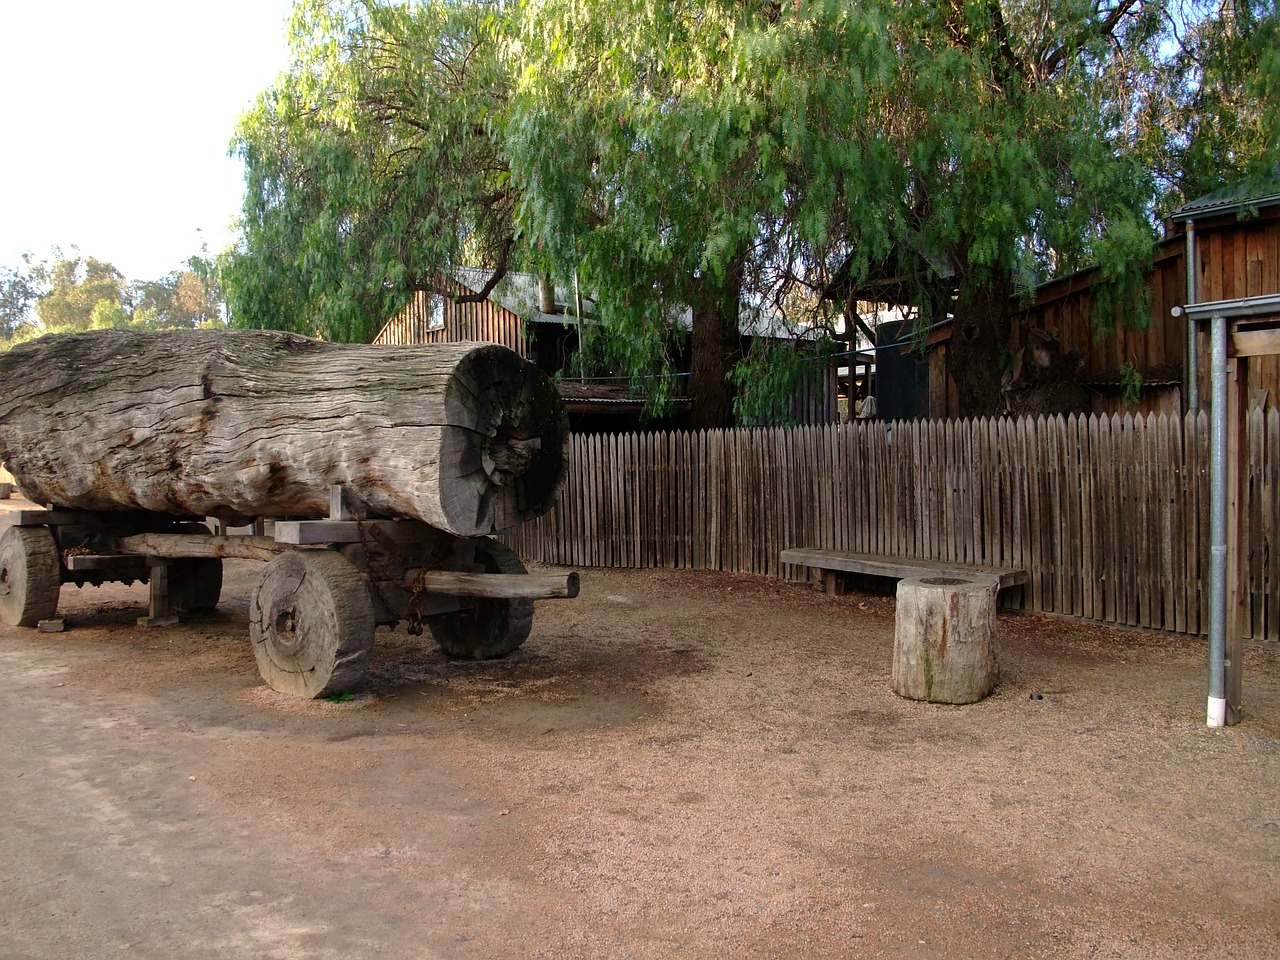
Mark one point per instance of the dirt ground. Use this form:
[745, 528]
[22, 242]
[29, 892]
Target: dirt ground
[675, 765]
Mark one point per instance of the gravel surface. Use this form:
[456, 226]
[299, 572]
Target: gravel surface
[675, 765]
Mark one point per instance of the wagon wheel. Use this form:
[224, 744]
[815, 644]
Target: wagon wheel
[311, 622]
[30, 576]
[485, 628]
[195, 583]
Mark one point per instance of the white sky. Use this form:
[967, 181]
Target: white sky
[116, 119]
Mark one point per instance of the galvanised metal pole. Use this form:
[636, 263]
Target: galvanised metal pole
[1217, 701]
[1193, 348]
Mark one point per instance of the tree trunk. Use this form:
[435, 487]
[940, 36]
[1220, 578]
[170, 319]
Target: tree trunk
[991, 378]
[979, 336]
[243, 424]
[717, 346]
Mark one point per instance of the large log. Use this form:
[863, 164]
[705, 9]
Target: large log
[242, 424]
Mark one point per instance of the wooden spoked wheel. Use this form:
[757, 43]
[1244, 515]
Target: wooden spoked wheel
[486, 628]
[311, 622]
[195, 583]
[30, 576]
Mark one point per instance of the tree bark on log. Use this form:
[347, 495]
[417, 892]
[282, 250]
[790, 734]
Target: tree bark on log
[237, 425]
[944, 648]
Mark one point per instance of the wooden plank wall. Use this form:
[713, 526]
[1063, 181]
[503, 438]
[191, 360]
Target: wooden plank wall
[1234, 258]
[1108, 514]
[485, 321]
[1154, 342]
[1241, 259]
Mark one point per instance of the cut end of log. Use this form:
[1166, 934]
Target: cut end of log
[511, 463]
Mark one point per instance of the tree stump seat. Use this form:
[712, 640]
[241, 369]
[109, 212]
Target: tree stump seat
[944, 648]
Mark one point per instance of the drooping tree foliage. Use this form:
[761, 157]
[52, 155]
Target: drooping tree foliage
[374, 164]
[1010, 129]
[784, 160]
[1208, 114]
[696, 154]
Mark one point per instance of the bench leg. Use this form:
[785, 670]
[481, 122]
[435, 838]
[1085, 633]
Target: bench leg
[835, 583]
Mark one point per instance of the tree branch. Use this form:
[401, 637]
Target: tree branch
[499, 272]
[1090, 31]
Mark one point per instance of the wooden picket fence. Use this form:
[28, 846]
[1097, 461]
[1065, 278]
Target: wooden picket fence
[1109, 515]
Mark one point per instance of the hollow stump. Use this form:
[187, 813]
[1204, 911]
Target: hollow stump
[944, 648]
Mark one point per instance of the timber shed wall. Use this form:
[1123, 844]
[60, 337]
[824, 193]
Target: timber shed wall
[1239, 258]
[485, 321]
[1235, 258]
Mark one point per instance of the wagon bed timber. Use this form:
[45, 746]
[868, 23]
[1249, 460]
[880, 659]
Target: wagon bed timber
[834, 563]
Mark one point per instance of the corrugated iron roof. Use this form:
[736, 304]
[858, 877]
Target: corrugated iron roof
[1252, 192]
[518, 293]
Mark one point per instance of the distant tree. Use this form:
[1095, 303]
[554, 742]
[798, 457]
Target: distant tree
[208, 271]
[77, 286]
[181, 300]
[20, 288]
[64, 294]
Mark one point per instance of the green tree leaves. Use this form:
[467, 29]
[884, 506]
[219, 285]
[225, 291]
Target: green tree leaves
[72, 293]
[79, 287]
[1209, 114]
[373, 165]
[698, 158]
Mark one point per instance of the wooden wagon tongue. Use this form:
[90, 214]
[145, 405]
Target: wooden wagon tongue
[467, 437]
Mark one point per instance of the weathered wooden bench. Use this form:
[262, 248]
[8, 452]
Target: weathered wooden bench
[834, 563]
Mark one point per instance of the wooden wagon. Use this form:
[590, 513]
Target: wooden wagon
[380, 514]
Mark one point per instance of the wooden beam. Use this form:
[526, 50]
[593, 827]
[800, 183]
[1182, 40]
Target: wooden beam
[312, 532]
[866, 331]
[160, 612]
[501, 586]
[116, 563]
[881, 566]
[35, 516]
[1255, 343]
[175, 545]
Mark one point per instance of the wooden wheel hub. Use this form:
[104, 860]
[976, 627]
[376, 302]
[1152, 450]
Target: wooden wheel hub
[287, 640]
